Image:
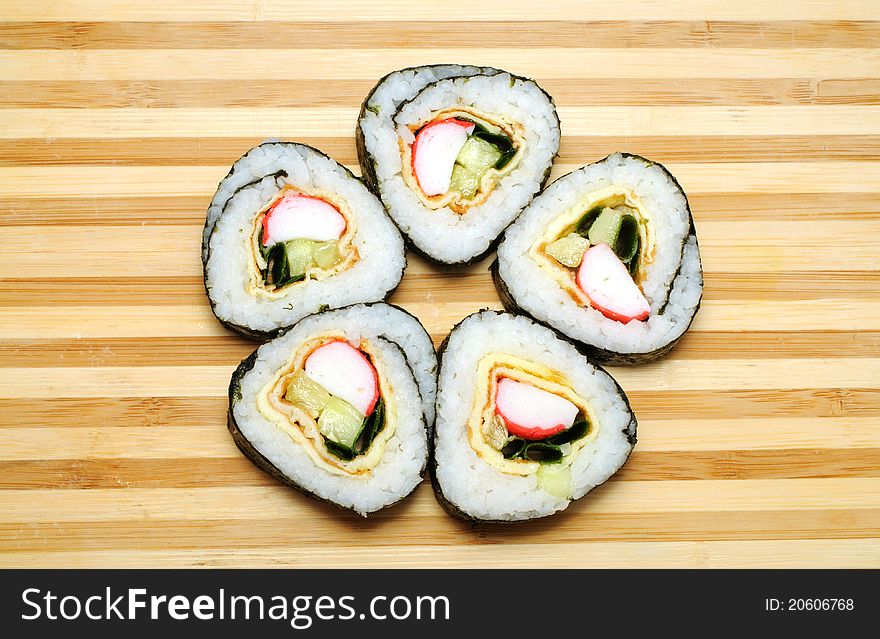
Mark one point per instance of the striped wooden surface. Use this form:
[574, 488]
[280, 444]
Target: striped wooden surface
[758, 437]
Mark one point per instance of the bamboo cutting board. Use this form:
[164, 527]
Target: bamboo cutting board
[758, 436]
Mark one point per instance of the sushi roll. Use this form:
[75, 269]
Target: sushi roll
[608, 256]
[525, 423]
[339, 406]
[455, 153]
[290, 231]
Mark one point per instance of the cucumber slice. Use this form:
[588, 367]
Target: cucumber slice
[475, 158]
[568, 250]
[326, 254]
[288, 262]
[627, 238]
[307, 393]
[464, 181]
[583, 226]
[277, 268]
[634, 262]
[299, 256]
[606, 227]
[555, 479]
[340, 422]
[477, 155]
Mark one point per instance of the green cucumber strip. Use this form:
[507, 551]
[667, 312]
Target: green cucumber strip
[288, 261]
[464, 181]
[627, 238]
[606, 227]
[578, 430]
[583, 225]
[569, 250]
[544, 453]
[477, 155]
[340, 422]
[326, 254]
[555, 479]
[475, 158]
[307, 393]
[634, 262]
[544, 450]
[300, 256]
[277, 270]
[372, 427]
[505, 158]
[343, 452]
[498, 140]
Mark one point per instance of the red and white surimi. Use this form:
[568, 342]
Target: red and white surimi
[344, 371]
[531, 412]
[607, 282]
[296, 216]
[434, 152]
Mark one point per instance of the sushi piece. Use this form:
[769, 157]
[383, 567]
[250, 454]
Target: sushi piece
[525, 422]
[608, 256]
[455, 153]
[289, 232]
[340, 406]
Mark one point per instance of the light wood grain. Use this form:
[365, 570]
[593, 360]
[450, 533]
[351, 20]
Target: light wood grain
[758, 443]
[360, 64]
[336, 121]
[367, 10]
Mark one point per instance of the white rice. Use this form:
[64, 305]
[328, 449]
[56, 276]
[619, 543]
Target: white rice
[254, 182]
[482, 491]
[401, 467]
[674, 282]
[441, 233]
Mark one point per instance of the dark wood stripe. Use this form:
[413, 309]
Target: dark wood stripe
[578, 523]
[746, 404]
[122, 412]
[196, 472]
[200, 472]
[176, 291]
[573, 150]
[777, 345]
[453, 33]
[139, 412]
[140, 351]
[751, 464]
[815, 285]
[210, 351]
[152, 93]
[138, 211]
[139, 291]
[402, 526]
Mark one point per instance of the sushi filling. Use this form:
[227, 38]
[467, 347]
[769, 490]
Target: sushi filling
[599, 252]
[527, 419]
[299, 237]
[336, 402]
[458, 157]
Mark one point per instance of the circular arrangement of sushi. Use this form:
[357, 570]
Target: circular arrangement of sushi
[346, 401]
